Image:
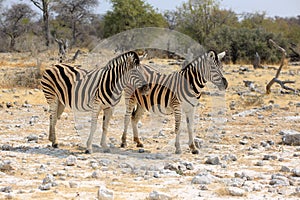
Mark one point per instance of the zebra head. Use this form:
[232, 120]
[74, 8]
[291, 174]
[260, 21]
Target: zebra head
[136, 78]
[214, 73]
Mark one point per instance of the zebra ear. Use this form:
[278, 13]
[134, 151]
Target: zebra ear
[221, 55]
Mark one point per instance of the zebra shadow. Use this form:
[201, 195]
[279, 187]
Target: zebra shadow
[47, 150]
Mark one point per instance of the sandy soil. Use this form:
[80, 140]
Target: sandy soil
[240, 124]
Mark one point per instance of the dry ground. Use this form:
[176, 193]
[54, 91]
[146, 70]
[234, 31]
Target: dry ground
[237, 123]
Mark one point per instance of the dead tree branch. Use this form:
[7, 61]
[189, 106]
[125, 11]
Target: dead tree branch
[62, 46]
[275, 79]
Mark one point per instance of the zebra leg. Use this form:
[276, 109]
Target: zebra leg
[60, 109]
[177, 113]
[106, 118]
[53, 121]
[129, 107]
[190, 123]
[135, 117]
[95, 114]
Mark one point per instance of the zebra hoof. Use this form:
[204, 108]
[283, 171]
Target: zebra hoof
[88, 151]
[178, 151]
[140, 145]
[195, 151]
[123, 145]
[55, 146]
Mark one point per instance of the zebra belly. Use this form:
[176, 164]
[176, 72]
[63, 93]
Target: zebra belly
[160, 110]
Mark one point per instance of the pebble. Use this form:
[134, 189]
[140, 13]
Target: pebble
[285, 169]
[291, 139]
[71, 160]
[279, 180]
[204, 179]
[198, 142]
[6, 165]
[49, 179]
[105, 194]
[296, 172]
[243, 142]
[270, 157]
[154, 195]
[213, 160]
[32, 138]
[96, 174]
[235, 191]
[73, 184]
[45, 186]
[229, 157]
[6, 189]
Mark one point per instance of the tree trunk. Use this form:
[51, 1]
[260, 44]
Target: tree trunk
[46, 23]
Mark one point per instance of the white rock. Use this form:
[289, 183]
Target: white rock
[154, 195]
[296, 171]
[73, 184]
[105, 194]
[235, 191]
[71, 160]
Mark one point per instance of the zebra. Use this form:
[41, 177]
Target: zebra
[95, 90]
[174, 93]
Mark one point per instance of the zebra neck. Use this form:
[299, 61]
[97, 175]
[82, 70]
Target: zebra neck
[194, 79]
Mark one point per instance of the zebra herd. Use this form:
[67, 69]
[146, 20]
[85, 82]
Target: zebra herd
[145, 90]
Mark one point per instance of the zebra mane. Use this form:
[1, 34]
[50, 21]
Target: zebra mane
[202, 56]
[123, 58]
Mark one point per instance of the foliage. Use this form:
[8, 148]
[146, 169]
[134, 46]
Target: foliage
[15, 22]
[129, 14]
[203, 20]
[73, 12]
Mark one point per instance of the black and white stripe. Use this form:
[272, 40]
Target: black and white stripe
[98, 89]
[174, 93]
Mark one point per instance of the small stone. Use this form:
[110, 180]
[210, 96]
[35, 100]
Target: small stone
[45, 186]
[6, 189]
[6, 147]
[213, 161]
[235, 191]
[6, 165]
[243, 142]
[95, 165]
[290, 137]
[204, 179]
[71, 160]
[141, 150]
[154, 195]
[296, 172]
[73, 184]
[198, 143]
[96, 174]
[229, 157]
[270, 157]
[32, 138]
[48, 179]
[171, 166]
[260, 163]
[105, 194]
[285, 169]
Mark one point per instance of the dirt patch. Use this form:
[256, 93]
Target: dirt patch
[242, 129]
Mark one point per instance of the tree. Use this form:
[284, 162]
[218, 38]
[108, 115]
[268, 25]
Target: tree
[73, 12]
[195, 18]
[16, 21]
[129, 14]
[44, 6]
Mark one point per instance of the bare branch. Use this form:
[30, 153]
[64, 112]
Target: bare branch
[275, 79]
